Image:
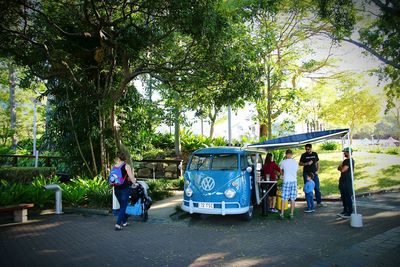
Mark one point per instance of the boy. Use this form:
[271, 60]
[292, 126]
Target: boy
[308, 190]
[289, 169]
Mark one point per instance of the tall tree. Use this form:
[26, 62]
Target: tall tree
[378, 25]
[90, 51]
[280, 36]
[354, 107]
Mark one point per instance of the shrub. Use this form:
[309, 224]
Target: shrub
[329, 146]
[393, 151]
[25, 174]
[163, 141]
[278, 155]
[161, 188]
[157, 153]
[80, 192]
[15, 193]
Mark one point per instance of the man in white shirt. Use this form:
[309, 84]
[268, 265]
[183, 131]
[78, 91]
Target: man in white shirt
[289, 169]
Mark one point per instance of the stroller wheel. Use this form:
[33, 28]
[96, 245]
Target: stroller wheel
[145, 216]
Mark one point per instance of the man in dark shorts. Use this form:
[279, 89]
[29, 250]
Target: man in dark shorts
[269, 171]
[310, 162]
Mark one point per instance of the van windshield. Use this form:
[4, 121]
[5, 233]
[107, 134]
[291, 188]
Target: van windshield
[214, 162]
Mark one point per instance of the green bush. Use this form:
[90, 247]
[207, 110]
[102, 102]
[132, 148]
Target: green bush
[161, 188]
[15, 193]
[278, 155]
[329, 146]
[163, 141]
[25, 174]
[393, 151]
[80, 192]
[157, 153]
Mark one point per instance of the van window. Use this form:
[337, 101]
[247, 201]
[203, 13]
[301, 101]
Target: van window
[249, 160]
[214, 162]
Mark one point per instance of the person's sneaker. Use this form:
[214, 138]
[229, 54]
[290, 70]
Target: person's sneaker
[291, 216]
[274, 211]
[312, 210]
[346, 216]
[125, 224]
[118, 227]
[281, 216]
[308, 210]
[341, 214]
[321, 205]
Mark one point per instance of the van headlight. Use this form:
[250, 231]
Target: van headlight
[189, 192]
[230, 193]
[235, 183]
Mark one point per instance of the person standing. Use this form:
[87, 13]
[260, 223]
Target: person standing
[308, 190]
[289, 169]
[269, 173]
[310, 162]
[123, 191]
[345, 184]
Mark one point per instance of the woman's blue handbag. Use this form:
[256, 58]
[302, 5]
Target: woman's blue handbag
[136, 209]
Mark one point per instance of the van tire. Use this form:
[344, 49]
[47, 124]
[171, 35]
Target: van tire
[249, 214]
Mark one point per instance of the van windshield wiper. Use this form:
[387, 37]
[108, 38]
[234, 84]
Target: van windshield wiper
[202, 163]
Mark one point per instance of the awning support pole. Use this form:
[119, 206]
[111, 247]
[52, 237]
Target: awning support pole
[352, 173]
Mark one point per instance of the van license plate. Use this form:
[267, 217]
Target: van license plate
[205, 205]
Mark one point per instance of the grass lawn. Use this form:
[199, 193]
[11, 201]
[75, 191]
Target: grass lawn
[373, 171]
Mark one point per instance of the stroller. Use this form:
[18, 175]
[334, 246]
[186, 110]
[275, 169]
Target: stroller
[139, 191]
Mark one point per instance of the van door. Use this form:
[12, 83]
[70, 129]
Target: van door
[257, 176]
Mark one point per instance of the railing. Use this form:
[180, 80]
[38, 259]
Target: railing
[14, 159]
[147, 168]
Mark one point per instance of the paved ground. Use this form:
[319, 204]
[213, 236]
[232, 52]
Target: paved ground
[318, 239]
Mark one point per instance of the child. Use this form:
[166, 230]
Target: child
[308, 190]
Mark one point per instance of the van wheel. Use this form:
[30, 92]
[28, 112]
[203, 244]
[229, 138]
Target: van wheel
[249, 214]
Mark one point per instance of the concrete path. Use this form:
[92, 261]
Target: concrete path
[164, 208]
[318, 239]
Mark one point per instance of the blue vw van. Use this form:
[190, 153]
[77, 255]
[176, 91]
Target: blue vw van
[220, 180]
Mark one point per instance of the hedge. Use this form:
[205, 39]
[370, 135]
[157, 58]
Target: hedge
[25, 174]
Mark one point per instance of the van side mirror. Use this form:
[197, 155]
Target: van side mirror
[249, 169]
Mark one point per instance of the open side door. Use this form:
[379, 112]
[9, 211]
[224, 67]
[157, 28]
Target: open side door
[257, 177]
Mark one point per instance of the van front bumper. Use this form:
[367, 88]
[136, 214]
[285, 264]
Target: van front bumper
[220, 208]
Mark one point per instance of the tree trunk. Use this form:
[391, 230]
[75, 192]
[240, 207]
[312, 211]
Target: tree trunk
[76, 136]
[13, 113]
[263, 130]
[213, 117]
[92, 150]
[178, 149]
[269, 103]
[102, 146]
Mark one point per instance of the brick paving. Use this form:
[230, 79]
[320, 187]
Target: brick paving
[319, 239]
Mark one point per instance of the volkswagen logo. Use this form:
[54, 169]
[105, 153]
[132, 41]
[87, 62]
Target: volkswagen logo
[208, 183]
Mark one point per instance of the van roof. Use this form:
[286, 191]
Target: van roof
[224, 149]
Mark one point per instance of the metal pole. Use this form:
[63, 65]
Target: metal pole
[352, 173]
[229, 125]
[34, 127]
[35, 152]
[36, 158]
